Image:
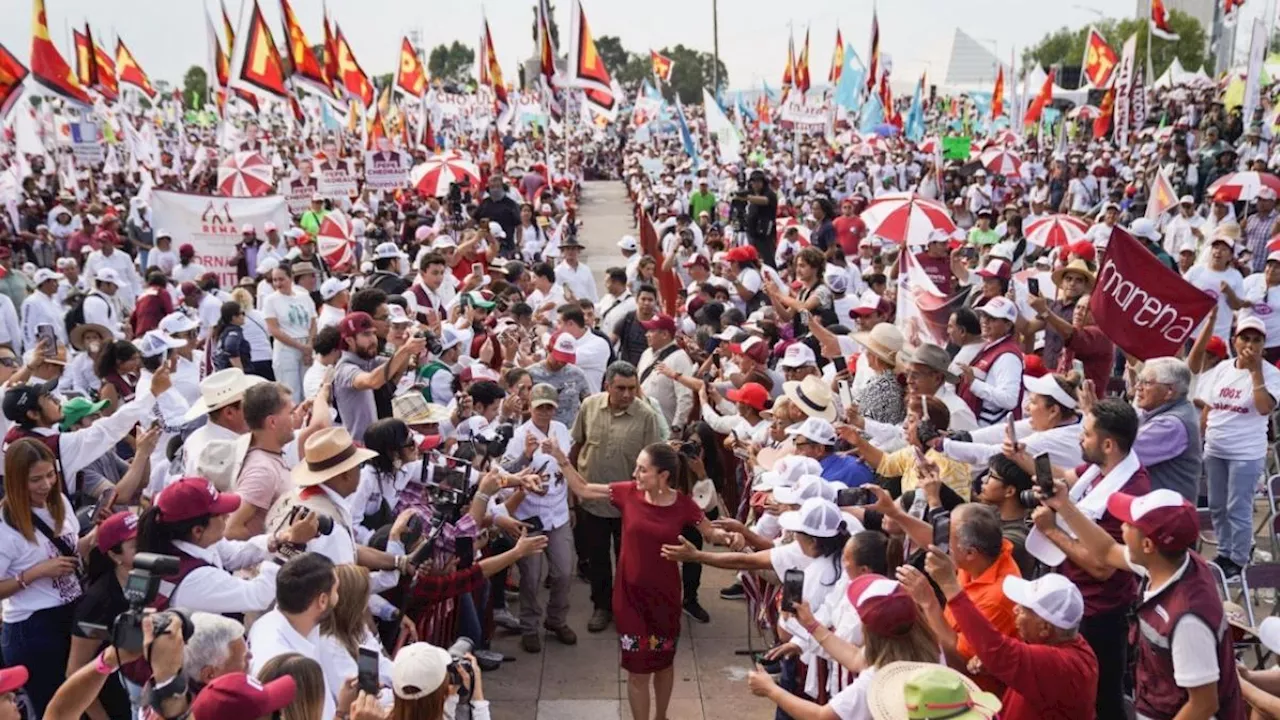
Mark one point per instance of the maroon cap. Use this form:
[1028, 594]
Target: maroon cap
[209, 277]
[753, 347]
[12, 678]
[752, 394]
[883, 605]
[661, 322]
[186, 250]
[116, 529]
[1164, 516]
[189, 289]
[193, 497]
[354, 324]
[237, 695]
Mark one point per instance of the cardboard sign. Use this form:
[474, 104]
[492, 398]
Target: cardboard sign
[386, 170]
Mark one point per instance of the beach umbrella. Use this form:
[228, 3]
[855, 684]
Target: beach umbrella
[906, 218]
[1243, 185]
[335, 242]
[1002, 162]
[245, 174]
[1055, 231]
[801, 229]
[433, 177]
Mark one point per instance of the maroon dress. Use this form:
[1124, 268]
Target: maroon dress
[646, 590]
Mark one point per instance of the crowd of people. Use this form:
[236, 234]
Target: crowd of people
[322, 495]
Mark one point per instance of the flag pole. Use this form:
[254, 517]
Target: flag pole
[715, 45]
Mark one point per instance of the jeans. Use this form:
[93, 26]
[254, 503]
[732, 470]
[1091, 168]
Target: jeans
[41, 643]
[1231, 487]
[601, 534]
[469, 624]
[1108, 634]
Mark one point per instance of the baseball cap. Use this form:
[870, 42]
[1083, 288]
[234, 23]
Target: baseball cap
[1252, 322]
[883, 605]
[1046, 385]
[808, 486]
[79, 408]
[753, 347]
[449, 338]
[332, 286]
[628, 244]
[1186, 200]
[268, 226]
[396, 315]
[660, 322]
[419, 669]
[1000, 308]
[868, 302]
[496, 230]
[156, 342]
[13, 678]
[1217, 347]
[995, 269]
[544, 394]
[186, 250]
[798, 355]
[44, 275]
[787, 472]
[476, 298]
[1164, 516]
[1266, 193]
[178, 322]
[752, 394]
[387, 250]
[817, 517]
[742, 254]
[23, 398]
[1053, 597]
[116, 529]
[237, 695]
[108, 275]
[355, 323]
[478, 371]
[814, 429]
[192, 497]
[563, 347]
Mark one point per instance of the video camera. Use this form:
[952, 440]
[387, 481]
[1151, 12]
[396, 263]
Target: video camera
[445, 483]
[454, 201]
[140, 589]
[738, 202]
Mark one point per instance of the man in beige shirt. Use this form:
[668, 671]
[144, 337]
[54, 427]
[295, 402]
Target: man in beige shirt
[609, 432]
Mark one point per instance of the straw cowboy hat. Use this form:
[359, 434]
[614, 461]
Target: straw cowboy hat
[413, 409]
[1079, 267]
[221, 389]
[329, 453]
[922, 691]
[812, 396]
[884, 341]
[77, 334]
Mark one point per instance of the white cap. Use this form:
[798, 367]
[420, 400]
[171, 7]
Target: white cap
[837, 281]
[814, 429]
[44, 275]
[246, 228]
[565, 346]
[108, 275]
[419, 670]
[268, 226]
[1046, 385]
[628, 243]
[332, 286]
[422, 233]
[1001, 308]
[388, 250]
[1253, 322]
[442, 241]
[1186, 200]
[66, 262]
[1144, 228]
[1266, 193]
[808, 486]
[787, 472]
[397, 316]
[1053, 597]
[449, 338]
[1269, 633]
[816, 518]
[266, 265]
[156, 342]
[798, 355]
[1271, 257]
[163, 233]
[177, 322]
[496, 230]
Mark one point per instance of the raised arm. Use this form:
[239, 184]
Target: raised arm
[577, 484]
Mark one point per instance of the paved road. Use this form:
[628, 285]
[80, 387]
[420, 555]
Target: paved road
[586, 682]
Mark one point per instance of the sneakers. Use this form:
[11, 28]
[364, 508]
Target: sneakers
[600, 620]
[531, 643]
[695, 611]
[1229, 568]
[733, 592]
[564, 634]
[488, 659]
[505, 620]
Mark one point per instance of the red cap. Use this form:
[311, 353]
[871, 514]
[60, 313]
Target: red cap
[429, 443]
[12, 678]
[661, 322]
[116, 529]
[193, 497]
[742, 254]
[237, 695]
[884, 605]
[1217, 347]
[355, 323]
[754, 347]
[186, 250]
[1083, 249]
[1164, 516]
[563, 347]
[1033, 365]
[697, 259]
[751, 393]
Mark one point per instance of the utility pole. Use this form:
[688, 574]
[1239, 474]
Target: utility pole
[715, 47]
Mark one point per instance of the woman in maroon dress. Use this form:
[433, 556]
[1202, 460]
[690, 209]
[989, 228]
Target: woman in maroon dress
[655, 508]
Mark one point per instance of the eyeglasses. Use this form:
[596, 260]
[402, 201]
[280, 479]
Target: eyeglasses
[1147, 382]
[8, 362]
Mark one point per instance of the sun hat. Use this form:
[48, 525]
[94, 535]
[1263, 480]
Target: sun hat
[193, 497]
[329, 453]
[884, 341]
[418, 670]
[116, 529]
[817, 517]
[883, 604]
[808, 486]
[1053, 597]
[76, 338]
[1077, 266]
[812, 396]
[932, 357]
[412, 408]
[237, 695]
[927, 691]
[78, 408]
[1046, 385]
[220, 389]
[1164, 516]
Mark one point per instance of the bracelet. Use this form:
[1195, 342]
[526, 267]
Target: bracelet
[101, 666]
[21, 583]
[812, 627]
[483, 496]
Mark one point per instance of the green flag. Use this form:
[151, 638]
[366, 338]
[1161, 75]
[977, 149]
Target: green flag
[956, 148]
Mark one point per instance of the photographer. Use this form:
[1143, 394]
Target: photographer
[361, 372]
[108, 566]
[761, 214]
[430, 683]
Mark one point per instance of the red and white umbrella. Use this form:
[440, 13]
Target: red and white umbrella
[1085, 112]
[245, 174]
[1055, 231]
[906, 219]
[1243, 186]
[432, 178]
[801, 229]
[1002, 162]
[335, 242]
[1004, 138]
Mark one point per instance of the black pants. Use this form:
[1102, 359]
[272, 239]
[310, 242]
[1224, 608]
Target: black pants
[691, 573]
[602, 538]
[1108, 635]
[262, 369]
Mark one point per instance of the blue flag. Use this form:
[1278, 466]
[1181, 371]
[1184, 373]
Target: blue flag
[773, 96]
[745, 112]
[914, 129]
[686, 137]
[872, 115]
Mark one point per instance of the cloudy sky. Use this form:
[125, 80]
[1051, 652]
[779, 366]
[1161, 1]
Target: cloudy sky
[168, 36]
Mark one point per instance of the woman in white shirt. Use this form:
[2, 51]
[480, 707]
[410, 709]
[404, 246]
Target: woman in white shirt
[376, 501]
[1220, 280]
[350, 629]
[40, 551]
[1240, 394]
[256, 334]
[1263, 291]
[1051, 411]
[291, 320]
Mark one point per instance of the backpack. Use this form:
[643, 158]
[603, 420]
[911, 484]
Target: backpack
[75, 313]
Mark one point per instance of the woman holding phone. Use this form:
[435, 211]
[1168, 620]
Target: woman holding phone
[656, 507]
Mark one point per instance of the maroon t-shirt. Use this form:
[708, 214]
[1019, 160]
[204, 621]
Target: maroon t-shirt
[938, 270]
[1121, 589]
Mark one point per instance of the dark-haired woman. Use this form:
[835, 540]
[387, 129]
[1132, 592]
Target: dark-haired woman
[656, 506]
[110, 560]
[382, 478]
[230, 348]
[39, 561]
[118, 368]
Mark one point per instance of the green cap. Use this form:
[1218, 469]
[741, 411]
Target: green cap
[475, 299]
[77, 409]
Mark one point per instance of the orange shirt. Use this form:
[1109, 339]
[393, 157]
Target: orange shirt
[987, 594]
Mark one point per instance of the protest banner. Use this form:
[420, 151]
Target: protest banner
[297, 194]
[923, 310]
[805, 116]
[337, 179]
[211, 223]
[86, 143]
[1146, 308]
[386, 170]
[956, 148]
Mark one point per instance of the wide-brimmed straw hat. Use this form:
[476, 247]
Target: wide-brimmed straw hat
[221, 389]
[77, 334]
[884, 341]
[812, 396]
[1079, 267]
[329, 453]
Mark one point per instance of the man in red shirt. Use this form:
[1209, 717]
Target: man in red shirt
[936, 260]
[849, 228]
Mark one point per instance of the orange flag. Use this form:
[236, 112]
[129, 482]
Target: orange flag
[306, 68]
[837, 60]
[662, 65]
[588, 70]
[789, 72]
[411, 78]
[997, 95]
[331, 72]
[86, 68]
[257, 69]
[1163, 196]
[107, 85]
[494, 79]
[802, 67]
[350, 74]
[1043, 98]
[1102, 125]
[12, 75]
[47, 64]
[131, 73]
[377, 129]
[1099, 60]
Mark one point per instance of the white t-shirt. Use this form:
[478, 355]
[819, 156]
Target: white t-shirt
[1210, 281]
[294, 313]
[1266, 305]
[1235, 430]
[750, 279]
[851, 702]
[17, 555]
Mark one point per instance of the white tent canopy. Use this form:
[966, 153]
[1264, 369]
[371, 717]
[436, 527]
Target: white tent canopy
[1175, 75]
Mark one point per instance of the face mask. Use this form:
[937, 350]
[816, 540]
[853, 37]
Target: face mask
[497, 194]
[94, 347]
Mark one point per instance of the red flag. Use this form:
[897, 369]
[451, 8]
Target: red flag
[12, 74]
[350, 73]
[377, 129]
[668, 283]
[789, 72]
[428, 134]
[997, 95]
[411, 77]
[305, 67]
[1099, 60]
[837, 60]
[47, 65]
[130, 72]
[587, 69]
[490, 64]
[1163, 196]
[802, 67]
[331, 71]
[1229, 11]
[1102, 124]
[1160, 21]
[1146, 308]
[86, 67]
[1043, 98]
[662, 65]
[873, 57]
[257, 68]
[107, 85]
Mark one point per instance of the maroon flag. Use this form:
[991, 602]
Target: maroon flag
[1142, 305]
[668, 283]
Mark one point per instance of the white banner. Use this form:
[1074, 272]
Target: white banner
[337, 179]
[1253, 78]
[386, 170]
[1124, 110]
[812, 115]
[212, 223]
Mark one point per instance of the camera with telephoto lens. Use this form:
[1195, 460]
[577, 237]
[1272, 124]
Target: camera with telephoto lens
[324, 522]
[1028, 499]
[140, 589]
[432, 342]
[458, 652]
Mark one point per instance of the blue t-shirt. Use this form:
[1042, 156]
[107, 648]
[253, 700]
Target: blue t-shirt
[846, 469]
